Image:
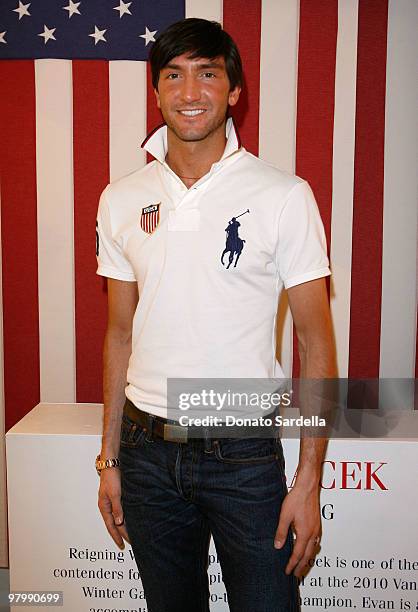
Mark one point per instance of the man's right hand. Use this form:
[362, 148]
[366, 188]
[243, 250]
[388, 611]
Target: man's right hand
[110, 506]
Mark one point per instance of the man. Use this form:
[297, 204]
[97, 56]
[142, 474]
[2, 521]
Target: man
[175, 310]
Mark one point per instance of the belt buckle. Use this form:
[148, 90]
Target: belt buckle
[175, 433]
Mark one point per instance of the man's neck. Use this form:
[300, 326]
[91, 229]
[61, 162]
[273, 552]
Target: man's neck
[192, 160]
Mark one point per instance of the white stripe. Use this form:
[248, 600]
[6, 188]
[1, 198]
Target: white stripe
[127, 129]
[343, 178]
[4, 561]
[397, 340]
[278, 82]
[277, 123]
[205, 9]
[54, 172]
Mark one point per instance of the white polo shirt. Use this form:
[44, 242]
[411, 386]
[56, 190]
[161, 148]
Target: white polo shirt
[210, 263]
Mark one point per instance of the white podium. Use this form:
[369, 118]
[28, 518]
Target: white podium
[369, 553]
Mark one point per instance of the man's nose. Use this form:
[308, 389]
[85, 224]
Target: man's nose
[190, 90]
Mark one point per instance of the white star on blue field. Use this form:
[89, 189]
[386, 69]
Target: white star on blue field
[84, 29]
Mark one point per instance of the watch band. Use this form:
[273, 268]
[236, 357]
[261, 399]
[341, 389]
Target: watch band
[102, 464]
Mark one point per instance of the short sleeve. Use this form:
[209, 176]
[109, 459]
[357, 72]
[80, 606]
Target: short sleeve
[301, 249]
[110, 257]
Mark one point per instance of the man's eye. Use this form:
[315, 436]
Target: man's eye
[208, 75]
[172, 75]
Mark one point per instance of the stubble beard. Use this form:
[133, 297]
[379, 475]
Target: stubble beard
[195, 134]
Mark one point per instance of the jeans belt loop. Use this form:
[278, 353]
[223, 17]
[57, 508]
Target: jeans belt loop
[208, 442]
[150, 425]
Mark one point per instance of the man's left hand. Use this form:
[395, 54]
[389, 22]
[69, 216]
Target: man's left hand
[300, 510]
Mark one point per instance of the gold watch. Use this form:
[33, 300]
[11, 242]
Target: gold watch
[101, 464]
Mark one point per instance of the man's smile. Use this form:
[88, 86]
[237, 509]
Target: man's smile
[192, 113]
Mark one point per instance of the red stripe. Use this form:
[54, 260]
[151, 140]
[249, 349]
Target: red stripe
[19, 238]
[244, 25]
[315, 107]
[91, 174]
[154, 117]
[366, 274]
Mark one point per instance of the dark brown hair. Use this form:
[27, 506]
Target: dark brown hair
[198, 38]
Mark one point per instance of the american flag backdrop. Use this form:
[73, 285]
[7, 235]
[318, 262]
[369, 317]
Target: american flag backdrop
[331, 94]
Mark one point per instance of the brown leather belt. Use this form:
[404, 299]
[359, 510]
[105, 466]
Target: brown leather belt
[155, 424]
[168, 430]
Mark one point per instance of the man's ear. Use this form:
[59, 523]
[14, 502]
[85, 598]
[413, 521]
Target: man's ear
[234, 95]
[157, 97]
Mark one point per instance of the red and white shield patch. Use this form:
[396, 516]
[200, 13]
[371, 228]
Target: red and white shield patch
[150, 217]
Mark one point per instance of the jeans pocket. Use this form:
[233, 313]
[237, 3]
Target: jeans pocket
[245, 450]
[132, 435]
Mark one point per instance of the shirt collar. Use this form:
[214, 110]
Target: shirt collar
[156, 141]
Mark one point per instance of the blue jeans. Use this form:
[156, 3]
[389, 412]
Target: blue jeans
[174, 496]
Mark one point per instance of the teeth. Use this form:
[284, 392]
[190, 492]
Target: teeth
[192, 113]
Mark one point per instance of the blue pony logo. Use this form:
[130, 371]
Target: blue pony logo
[234, 244]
